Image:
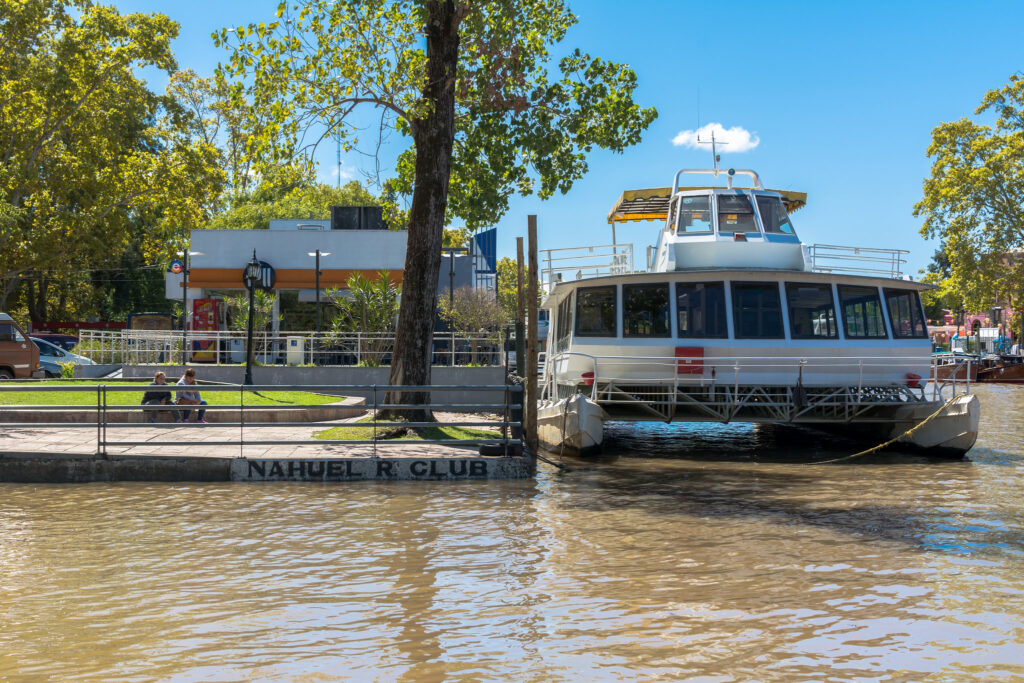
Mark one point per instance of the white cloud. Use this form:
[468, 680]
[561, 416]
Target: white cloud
[737, 138]
[345, 172]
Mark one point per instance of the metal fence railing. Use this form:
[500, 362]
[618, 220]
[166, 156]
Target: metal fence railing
[863, 375]
[102, 413]
[138, 347]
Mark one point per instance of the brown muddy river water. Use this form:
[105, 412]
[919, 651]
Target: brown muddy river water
[687, 553]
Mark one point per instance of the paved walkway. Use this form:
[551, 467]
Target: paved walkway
[194, 440]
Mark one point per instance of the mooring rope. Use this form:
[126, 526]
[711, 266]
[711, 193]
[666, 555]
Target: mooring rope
[880, 446]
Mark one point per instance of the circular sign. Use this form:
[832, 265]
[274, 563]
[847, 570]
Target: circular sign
[177, 266]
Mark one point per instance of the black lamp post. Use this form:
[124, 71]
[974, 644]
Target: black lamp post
[184, 303]
[252, 280]
[451, 251]
[184, 310]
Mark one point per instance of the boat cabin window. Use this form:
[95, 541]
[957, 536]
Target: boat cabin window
[736, 214]
[694, 215]
[563, 324]
[596, 311]
[757, 310]
[812, 312]
[862, 312]
[645, 310]
[905, 314]
[701, 310]
[773, 216]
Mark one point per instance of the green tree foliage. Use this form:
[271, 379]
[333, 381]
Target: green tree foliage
[262, 320]
[974, 202]
[85, 147]
[210, 116]
[368, 306]
[455, 238]
[938, 301]
[263, 307]
[507, 285]
[470, 83]
[472, 311]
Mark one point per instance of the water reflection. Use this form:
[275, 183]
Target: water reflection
[699, 552]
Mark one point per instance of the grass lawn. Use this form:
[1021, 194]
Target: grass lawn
[87, 397]
[360, 433]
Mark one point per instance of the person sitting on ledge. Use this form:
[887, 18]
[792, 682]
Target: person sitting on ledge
[190, 397]
[158, 398]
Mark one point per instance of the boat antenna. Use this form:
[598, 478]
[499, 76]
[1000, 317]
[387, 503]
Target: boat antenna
[716, 157]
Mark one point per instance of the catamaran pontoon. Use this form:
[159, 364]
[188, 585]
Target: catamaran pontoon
[735, 320]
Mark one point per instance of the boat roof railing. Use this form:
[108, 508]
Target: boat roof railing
[729, 175]
[577, 263]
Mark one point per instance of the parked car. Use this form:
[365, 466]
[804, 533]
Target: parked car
[51, 356]
[18, 358]
[64, 341]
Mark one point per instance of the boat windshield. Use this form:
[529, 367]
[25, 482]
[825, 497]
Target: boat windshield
[694, 215]
[736, 214]
[774, 216]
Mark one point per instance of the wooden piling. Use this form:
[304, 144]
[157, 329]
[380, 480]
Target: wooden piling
[531, 336]
[520, 308]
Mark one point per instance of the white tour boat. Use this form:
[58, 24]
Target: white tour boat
[733, 319]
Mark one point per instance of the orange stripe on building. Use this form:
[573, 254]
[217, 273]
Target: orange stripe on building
[287, 278]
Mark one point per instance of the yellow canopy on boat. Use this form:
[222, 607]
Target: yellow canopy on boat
[652, 204]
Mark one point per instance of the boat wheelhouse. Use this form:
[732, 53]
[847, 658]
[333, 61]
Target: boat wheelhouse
[733, 319]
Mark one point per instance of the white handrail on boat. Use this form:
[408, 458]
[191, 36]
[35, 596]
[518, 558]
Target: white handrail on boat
[834, 258]
[576, 263]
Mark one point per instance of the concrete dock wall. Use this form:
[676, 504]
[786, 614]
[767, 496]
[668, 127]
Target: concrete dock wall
[72, 469]
[79, 469]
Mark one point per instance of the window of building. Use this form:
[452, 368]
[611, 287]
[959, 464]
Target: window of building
[862, 312]
[694, 215]
[564, 324]
[812, 312]
[595, 312]
[905, 314]
[736, 214]
[773, 216]
[645, 310]
[701, 310]
[757, 310]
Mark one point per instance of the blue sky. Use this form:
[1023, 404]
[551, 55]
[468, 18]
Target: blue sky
[842, 98]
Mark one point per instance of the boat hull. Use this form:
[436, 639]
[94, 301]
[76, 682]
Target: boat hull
[573, 426]
[951, 433]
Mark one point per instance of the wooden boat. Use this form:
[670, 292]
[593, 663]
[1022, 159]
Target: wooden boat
[1001, 369]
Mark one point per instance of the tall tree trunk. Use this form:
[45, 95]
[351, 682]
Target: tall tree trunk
[35, 299]
[434, 137]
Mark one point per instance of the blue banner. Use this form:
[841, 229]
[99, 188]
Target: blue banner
[485, 244]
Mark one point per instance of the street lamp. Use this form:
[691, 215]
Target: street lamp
[318, 254]
[451, 271]
[184, 302]
[252, 278]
